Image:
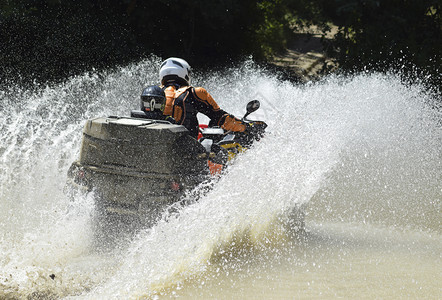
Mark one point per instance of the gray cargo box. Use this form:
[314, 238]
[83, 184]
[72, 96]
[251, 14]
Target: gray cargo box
[137, 167]
[141, 145]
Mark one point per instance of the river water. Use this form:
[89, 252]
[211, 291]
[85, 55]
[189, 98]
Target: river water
[361, 154]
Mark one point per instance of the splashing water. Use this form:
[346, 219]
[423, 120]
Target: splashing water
[361, 150]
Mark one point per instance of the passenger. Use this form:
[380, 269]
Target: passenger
[153, 101]
[184, 101]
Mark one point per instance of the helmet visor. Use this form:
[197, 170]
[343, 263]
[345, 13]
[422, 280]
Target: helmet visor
[152, 104]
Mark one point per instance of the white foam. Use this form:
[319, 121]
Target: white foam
[314, 130]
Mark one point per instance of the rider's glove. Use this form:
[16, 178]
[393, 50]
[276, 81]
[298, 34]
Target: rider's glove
[250, 128]
[255, 129]
[170, 119]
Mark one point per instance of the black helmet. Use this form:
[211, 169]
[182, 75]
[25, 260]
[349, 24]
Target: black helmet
[153, 98]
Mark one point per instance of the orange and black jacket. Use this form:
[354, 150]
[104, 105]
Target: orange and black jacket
[184, 103]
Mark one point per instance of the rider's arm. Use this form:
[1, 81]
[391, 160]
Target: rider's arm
[218, 117]
[170, 96]
[229, 122]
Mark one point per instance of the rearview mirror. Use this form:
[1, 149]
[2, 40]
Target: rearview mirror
[251, 107]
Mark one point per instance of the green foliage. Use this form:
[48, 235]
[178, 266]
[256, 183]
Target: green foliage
[51, 39]
[68, 37]
[196, 29]
[379, 34]
[390, 33]
[272, 32]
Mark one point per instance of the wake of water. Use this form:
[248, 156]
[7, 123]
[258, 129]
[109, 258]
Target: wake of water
[366, 148]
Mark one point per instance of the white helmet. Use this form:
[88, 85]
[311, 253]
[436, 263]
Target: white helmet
[175, 69]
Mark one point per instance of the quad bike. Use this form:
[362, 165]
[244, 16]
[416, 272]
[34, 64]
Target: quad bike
[138, 167]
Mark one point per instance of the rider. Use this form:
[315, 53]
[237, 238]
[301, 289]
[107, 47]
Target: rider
[184, 101]
[153, 101]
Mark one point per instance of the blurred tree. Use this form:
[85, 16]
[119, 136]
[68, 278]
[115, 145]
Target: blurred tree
[378, 35]
[198, 30]
[274, 28]
[52, 39]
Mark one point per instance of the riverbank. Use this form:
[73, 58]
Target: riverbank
[305, 57]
